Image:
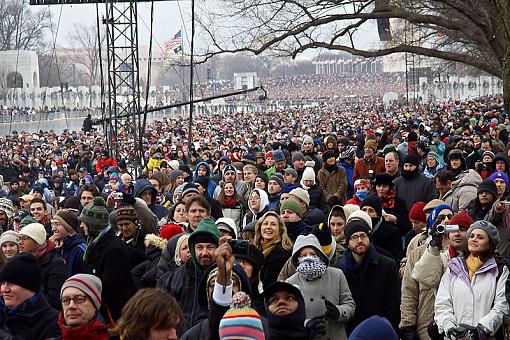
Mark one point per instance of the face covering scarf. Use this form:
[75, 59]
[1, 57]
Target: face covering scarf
[361, 195]
[311, 267]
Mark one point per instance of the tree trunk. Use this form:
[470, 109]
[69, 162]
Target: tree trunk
[505, 75]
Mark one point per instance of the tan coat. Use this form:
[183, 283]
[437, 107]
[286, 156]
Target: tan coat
[417, 300]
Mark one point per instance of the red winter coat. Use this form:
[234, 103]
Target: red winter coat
[94, 330]
[101, 163]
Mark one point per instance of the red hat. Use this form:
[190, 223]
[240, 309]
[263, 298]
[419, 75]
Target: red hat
[416, 212]
[462, 219]
[170, 230]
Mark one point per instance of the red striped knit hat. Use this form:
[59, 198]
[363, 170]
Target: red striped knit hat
[241, 321]
[88, 284]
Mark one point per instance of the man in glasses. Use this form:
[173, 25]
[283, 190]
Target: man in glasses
[373, 278]
[26, 312]
[81, 301]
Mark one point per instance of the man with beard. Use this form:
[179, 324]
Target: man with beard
[372, 277]
[183, 283]
[412, 186]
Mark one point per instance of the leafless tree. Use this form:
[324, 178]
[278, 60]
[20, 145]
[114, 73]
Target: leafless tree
[472, 32]
[85, 49]
[22, 27]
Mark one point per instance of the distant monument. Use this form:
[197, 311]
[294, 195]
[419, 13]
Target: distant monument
[20, 69]
[245, 81]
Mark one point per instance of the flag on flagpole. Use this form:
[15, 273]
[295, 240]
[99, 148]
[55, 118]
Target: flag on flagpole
[174, 44]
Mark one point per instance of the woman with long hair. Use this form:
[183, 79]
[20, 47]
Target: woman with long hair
[471, 295]
[272, 240]
[231, 204]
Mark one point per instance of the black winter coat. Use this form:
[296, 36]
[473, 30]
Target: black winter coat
[402, 214]
[54, 273]
[386, 236]
[109, 260]
[183, 284]
[374, 285]
[33, 320]
[318, 199]
[273, 264]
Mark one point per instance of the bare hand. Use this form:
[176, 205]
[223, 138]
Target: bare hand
[224, 261]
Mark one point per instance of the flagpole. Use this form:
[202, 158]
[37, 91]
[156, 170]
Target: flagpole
[190, 132]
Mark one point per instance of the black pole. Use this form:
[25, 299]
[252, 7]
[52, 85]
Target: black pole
[190, 128]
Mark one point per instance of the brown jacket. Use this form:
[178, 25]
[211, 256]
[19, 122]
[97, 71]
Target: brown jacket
[334, 184]
[362, 169]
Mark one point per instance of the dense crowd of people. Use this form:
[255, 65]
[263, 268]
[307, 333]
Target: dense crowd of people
[314, 223]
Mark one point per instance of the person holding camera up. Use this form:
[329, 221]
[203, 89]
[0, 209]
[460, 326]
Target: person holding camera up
[428, 262]
[471, 301]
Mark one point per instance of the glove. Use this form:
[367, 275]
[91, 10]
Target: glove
[316, 327]
[461, 332]
[409, 333]
[480, 333]
[332, 312]
[128, 199]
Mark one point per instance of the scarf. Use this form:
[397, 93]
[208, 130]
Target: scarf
[229, 202]
[40, 251]
[267, 247]
[473, 263]
[311, 267]
[389, 200]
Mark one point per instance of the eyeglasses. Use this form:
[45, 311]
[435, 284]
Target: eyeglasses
[442, 216]
[357, 238]
[78, 300]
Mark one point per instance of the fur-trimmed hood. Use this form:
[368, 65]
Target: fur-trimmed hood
[156, 241]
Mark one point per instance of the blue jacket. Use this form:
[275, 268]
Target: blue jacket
[71, 253]
[349, 169]
[212, 185]
[274, 203]
[157, 209]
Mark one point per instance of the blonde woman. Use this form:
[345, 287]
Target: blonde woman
[272, 240]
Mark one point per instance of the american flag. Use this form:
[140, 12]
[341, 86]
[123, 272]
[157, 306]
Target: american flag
[174, 43]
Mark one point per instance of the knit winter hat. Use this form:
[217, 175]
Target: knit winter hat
[9, 236]
[126, 213]
[307, 139]
[416, 213]
[190, 188]
[241, 321]
[35, 231]
[297, 156]
[302, 194]
[170, 230]
[278, 156]
[292, 172]
[354, 226]
[349, 209]
[462, 219]
[291, 205]
[174, 174]
[278, 178]
[89, 284]
[372, 200]
[327, 155]
[496, 175]
[372, 144]
[203, 181]
[488, 153]
[7, 207]
[411, 159]
[249, 159]
[309, 174]
[69, 220]
[360, 215]
[489, 228]
[95, 216]
[323, 234]
[488, 186]
[456, 154]
[22, 270]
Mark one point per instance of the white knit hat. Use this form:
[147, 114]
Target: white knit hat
[349, 209]
[9, 236]
[35, 231]
[309, 174]
[302, 194]
[7, 207]
[360, 215]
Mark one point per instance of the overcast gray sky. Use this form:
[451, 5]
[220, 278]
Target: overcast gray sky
[169, 17]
